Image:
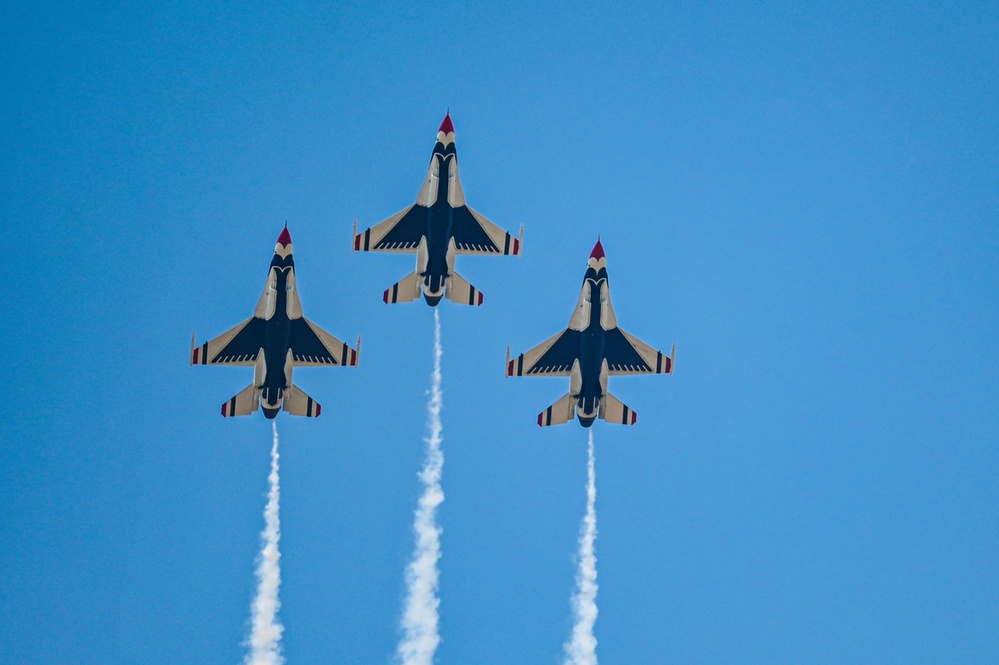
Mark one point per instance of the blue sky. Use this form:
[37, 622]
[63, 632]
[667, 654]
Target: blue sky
[804, 199]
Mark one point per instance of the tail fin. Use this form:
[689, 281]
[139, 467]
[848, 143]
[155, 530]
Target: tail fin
[243, 403]
[558, 413]
[405, 290]
[297, 403]
[461, 292]
[613, 410]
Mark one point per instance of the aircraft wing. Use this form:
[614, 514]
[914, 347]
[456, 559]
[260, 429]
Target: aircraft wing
[402, 232]
[553, 357]
[238, 346]
[474, 234]
[313, 346]
[626, 354]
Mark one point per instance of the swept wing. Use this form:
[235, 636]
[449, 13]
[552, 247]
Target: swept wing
[474, 234]
[626, 354]
[400, 233]
[238, 346]
[553, 357]
[312, 346]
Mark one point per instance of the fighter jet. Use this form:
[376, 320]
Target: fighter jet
[589, 351]
[275, 340]
[436, 228]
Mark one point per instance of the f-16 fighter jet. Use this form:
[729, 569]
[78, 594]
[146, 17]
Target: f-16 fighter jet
[589, 351]
[436, 228]
[275, 340]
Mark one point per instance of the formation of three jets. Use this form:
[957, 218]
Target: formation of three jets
[437, 228]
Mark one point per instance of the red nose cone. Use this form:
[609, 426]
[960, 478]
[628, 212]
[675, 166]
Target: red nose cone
[285, 238]
[598, 251]
[446, 125]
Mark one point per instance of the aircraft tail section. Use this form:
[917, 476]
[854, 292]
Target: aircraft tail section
[243, 403]
[297, 403]
[461, 292]
[558, 413]
[613, 410]
[407, 289]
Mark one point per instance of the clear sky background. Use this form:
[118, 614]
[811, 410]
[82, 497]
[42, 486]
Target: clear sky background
[805, 200]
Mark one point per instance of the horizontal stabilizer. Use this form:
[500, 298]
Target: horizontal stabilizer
[406, 290]
[243, 403]
[558, 413]
[461, 292]
[613, 410]
[297, 403]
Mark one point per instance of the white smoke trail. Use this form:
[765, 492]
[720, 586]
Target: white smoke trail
[265, 635]
[419, 620]
[582, 648]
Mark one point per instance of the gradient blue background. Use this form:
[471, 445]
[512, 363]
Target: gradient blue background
[806, 200]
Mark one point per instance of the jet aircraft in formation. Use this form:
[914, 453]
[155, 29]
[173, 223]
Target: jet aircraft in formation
[273, 341]
[436, 228]
[589, 351]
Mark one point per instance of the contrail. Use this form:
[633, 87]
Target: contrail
[419, 620]
[582, 648]
[265, 635]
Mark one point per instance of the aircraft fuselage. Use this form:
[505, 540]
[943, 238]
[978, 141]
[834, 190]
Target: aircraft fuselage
[590, 376]
[439, 262]
[277, 364]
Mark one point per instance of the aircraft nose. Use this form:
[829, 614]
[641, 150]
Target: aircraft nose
[598, 251]
[446, 125]
[285, 238]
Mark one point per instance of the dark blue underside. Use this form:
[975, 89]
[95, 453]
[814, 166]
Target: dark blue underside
[591, 347]
[276, 336]
[439, 224]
